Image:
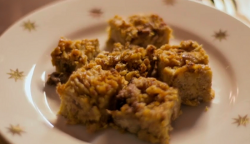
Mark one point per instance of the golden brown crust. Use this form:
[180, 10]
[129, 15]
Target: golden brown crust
[130, 61]
[69, 55]
[180, 55]
[139, 30]
[185, 67]
[87, 94]
[97, 94]
[146, 107]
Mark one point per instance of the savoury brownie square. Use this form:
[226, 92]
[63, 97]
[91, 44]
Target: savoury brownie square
[146, 108]
[185, 67]
[87, 94]
[139, 30]
[70, 55]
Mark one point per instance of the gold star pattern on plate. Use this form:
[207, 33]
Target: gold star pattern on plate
[28, 25]
[15, 130]
[169, 2]
[241, 120]
[96, 12]
[16, 74]
[206, 109]
[220, 35]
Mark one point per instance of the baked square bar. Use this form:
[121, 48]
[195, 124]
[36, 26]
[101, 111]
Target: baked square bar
[185, 67]
[139, 30]
[146, 108]
[87, 94]
[70, 55]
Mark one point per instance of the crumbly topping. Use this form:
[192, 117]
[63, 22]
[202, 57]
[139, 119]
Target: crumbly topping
[129, 60]
[180, 55]
[141, 30]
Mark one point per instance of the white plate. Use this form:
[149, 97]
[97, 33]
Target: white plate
[28, 108]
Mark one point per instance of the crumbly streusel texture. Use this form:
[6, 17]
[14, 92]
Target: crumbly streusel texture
[130, 61]
[138, 86]
[185, 67]
[146, 108]
[87, 94]
[70, 55]
[141, 30]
